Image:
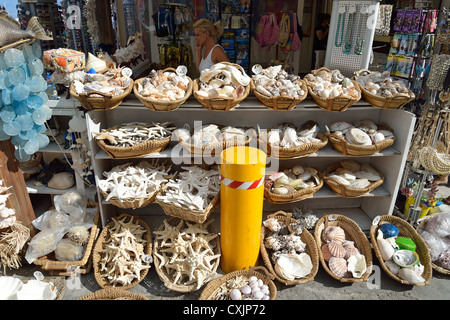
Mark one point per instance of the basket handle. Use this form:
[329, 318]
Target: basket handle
[288, 215]
[253, 270]
[84, 98]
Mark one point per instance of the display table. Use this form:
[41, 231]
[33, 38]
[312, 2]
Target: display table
[251, 113]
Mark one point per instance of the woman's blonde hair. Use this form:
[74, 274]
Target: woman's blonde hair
[215, 29]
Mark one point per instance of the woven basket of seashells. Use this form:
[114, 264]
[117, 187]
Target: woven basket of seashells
[349, 178]
[331, 91]
[186, 255]
[164, 90]
[292, 185]
[256, 283]
[276, 89]
[112, 293]
[361, 138]
[285, 141]
[344, 250]
[432, 226]
[222, 87]
[108, 96]
[212, 139]
[134, 140]
[381, 235]
[281, 233]
[130, 186]
[122, 253]
[79, 235]
[382, 92]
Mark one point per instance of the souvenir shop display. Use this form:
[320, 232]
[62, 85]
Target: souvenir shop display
[434, 230]
[164, 90]
[286, 141]
[122, 253]
[277, 89]
[288, 249]
[134, 139]
[401, 251]
[186, 255]
[331, 90]
[292, 185]
[344, 250]
[349, 178]
[361, 138]
[222, 87]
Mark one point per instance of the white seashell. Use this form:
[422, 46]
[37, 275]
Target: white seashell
[97, 64]
[61, 181]
[410, 275]
[202, 93]
[386, 133]
[318, 87]
[293, 266]
[350, 165]
[297, 169]
[181, 70]
[356, 264]
[246, 290]
[341, 126]
[359, 183]
[263, 90]
[387, 251]
[257, 68]
[378, 137]
[393, 267]
[274, 137]
[9, 287]
[235, 294]
[335, 93]
[216, 83]
[358, 137]
[371, 176]
[281, 190]
[339, 179]
[325, 93]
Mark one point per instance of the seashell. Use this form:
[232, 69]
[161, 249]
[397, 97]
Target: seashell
[389, 230]
[339, 179]
[371, 176]
[213, 93]
[349, 164]
[392, 266]
[235, 294]
[336, 249]
[272, 224]
[408, 274]
[386, 250]
[293, 266]
[358, 137]
[335, 93]
[263, 90]
[181, 70]
[10, 286]
[36, 290]
[239, 92]
[202, 93]
[386, 133]
[336, 76]
[297, 169]
[257, 68]
[280, 190]
[341, 126]
[350, 249]
[346, 174]
[305, 175]
[338, 266]
[326, 252]
[359, 183]
[325, 93]
[322, 74]
[216, 83]
[95, 63]
[228, 90]
[378, 137]
[356, 264]
[318, 87]
[366, 124]
[334, 233]
[61, 181]
[310, 77]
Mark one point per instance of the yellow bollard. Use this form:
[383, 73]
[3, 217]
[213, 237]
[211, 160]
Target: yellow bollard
[241, 206]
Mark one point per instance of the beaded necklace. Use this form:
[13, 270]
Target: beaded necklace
[349, 33]
[341, 15]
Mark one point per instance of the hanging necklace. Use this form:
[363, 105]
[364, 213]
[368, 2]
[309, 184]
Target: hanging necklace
[336, 44]
[359, 41]
[349, 33]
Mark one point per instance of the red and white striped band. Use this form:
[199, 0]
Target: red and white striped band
[242, 185]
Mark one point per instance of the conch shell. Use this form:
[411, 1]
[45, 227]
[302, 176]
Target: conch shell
[356, 264]
[95, 63]
[387, 251]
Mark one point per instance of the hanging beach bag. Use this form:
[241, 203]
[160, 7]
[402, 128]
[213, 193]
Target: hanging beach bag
[274, 30]
[296, 42]
[285, 28]
[260, 30]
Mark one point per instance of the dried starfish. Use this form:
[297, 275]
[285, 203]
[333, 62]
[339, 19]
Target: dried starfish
[168, 233]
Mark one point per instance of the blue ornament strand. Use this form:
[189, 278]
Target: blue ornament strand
[349, 37]
[341, 15]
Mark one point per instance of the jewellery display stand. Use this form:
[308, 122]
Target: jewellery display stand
[343, 52]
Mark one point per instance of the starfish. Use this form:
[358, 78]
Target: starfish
[169, 233]
[196, 228]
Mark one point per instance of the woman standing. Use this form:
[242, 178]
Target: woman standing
[206, 36]
[320, 39]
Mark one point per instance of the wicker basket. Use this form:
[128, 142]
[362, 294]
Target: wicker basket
[332, 104]
[162, 273]
[406, 230]
[279, 103]
[112, 293]
[198, 216]
[95, 100]
[345, 191]
[213, 287]
[420, 228]
[343, 146]
[61, 268]
[352, 233]
[139, 150]
[307, 238]
[301, 151]
[289, 198]
[382, 102]
[158, 105]
[103, 237]
[214, 148]
[221, 104]
[132, 203]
